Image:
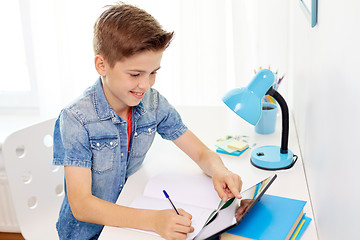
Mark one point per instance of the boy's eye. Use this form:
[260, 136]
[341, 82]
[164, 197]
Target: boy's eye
[154, 73]
[134, 74]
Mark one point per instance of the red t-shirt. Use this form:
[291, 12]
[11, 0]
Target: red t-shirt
[129, 128]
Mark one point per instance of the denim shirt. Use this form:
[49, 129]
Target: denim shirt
[88, 133]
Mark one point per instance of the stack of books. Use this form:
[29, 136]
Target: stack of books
[231, 147]
[273, 217]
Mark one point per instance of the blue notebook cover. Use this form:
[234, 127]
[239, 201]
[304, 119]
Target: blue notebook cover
[271, 218]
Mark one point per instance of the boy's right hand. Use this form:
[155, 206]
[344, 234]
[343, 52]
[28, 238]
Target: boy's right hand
[172, 226]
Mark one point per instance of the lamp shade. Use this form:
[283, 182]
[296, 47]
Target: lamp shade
[246, 102]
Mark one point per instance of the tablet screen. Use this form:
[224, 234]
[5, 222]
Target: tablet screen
[234, 211]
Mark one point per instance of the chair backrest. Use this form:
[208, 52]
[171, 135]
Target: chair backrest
[37, 187]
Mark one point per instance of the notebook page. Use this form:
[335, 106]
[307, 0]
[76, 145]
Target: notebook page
[199, 214]
[197, 190]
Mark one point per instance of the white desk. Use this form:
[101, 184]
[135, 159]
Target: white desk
[209, 124]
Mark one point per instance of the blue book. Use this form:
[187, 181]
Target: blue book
[271, 218]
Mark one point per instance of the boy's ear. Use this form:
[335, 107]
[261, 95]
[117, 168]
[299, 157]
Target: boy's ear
[100, 65]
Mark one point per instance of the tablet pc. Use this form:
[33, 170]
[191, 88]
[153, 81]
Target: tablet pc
[234, 211]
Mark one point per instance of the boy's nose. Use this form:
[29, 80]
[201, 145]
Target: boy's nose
[144, 83]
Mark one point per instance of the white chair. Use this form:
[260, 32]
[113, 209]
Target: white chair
[36, 185]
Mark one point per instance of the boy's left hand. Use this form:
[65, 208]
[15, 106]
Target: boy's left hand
[227, 184]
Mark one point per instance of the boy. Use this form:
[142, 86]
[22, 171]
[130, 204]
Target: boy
[102, 138]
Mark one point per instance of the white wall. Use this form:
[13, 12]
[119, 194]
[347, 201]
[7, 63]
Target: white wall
[260, 29]
[324, 62]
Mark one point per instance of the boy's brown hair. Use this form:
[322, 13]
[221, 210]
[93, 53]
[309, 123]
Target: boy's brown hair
[124, 30]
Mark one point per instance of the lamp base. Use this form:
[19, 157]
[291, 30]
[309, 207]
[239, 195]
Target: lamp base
[270, 158]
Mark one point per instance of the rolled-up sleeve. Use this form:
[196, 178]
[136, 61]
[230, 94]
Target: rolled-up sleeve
[170, 125]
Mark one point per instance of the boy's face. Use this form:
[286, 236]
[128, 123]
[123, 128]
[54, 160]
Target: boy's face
[125, 84]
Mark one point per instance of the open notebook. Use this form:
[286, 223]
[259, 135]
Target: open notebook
[197, 196]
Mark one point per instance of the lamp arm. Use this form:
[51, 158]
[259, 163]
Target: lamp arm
[285, 118]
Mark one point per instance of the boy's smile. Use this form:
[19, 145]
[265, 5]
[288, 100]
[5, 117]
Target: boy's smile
[138, 95]
[126, 83]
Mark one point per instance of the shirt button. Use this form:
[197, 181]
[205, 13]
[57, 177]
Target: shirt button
[111, 143]
[121, 185]
[122, 154]
[135, 134]
[98, 144]
[149, 129]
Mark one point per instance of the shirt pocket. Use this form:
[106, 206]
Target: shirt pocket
[143, 138]
[104, 151]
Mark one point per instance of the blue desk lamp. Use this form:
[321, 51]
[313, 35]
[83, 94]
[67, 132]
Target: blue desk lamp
[246, 102]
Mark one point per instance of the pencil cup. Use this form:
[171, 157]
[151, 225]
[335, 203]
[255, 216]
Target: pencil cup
[267, 122]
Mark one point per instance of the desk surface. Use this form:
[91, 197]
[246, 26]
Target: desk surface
[209, 124]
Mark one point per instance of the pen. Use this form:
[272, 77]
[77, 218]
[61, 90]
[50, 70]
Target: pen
[167, 196]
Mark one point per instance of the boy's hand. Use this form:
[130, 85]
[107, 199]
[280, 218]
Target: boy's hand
[172, 226]
[227, 184]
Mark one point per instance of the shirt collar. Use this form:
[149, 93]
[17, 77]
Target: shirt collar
[103, 108]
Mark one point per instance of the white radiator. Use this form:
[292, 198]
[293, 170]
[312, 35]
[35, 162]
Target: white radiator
[8, 222]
